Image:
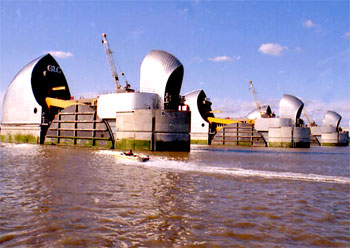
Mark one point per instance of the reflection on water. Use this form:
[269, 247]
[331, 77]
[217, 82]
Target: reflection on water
[211, 197]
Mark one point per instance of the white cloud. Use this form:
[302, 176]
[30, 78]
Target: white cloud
[60, 54]
[224, 59]
[220, 59]
[347, 35]
[197, 59]
[298, 49]
[308, 24]
[272, 49]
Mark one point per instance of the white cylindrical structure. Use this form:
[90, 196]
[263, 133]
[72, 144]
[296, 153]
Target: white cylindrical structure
[109, 104]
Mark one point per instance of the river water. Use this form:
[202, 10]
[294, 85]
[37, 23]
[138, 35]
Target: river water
[54, 196]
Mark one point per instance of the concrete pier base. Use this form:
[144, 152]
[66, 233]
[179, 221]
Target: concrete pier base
[199, 138]
[20, 133]
[153, 129]
[289, 137]
[301, 137]
[335, 139]
[280, 137]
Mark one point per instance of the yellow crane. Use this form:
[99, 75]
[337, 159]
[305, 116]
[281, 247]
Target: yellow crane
[311, 123]
[251, 87]
[110, 60]
[113, 68]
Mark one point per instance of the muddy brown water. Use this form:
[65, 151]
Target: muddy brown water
[211, 197]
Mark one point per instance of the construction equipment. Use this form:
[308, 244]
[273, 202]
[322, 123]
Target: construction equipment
[251, 87]
[214, 112]
[59, 103]
[110, 60]
[311, 123]
[220, 122]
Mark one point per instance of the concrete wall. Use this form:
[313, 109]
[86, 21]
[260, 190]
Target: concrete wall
[329, 139]
[20, 133]
[344, 138]
[301, 137]
[322, 129]
[263, 124]
[153, 130]
[109, 104]
[289, 137]
[200, 138]
[335, 139]
[280, 137]
[329, 136]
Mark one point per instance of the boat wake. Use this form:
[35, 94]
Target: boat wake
[180, 166]
[239, 172]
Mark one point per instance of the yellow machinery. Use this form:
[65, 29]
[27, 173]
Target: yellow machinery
[113, 68]
[251, 87]
[110, 60]
[59, 103]
[311, 123]
[221, 122]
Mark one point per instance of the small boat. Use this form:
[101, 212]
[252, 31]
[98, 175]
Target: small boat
[132, 156]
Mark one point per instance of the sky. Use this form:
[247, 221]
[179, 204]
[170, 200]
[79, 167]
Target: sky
[300, 48]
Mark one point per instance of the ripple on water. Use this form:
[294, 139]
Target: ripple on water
[58, 197]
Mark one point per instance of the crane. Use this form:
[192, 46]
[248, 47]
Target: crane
[110, 60]
[251, 87]
[311, 123]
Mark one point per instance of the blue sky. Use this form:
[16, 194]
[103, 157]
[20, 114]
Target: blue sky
[296, 47]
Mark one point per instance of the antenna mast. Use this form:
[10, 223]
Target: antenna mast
[110, 60]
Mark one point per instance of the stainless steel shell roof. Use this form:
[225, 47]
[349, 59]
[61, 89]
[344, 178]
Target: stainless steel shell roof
[290, 107]
[161, 73]
[198, 102]
[24, 100]
[200, 108]
[19, 102]
[255, 113]
[332, 119]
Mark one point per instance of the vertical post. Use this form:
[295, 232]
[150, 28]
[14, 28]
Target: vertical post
[58, 128]
[75, 124]
[251, 136]
[223, 135]
[94, 129]
[237, 134]
[153, 145]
